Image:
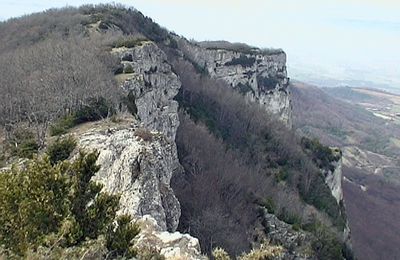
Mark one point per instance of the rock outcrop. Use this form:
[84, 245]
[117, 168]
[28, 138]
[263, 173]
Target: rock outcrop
[138, 165]
[138, 154]
[170, 245]
[333, 178]
[296, 243]
[259, 75]
[152, 84]
[139, 157]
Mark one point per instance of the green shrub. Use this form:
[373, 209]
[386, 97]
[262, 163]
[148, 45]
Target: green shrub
[282, 175]
[269, 204]
[23, 143]
[61, 149]
[128, 69]
[172, 43]
[319, 195]
[119, 238]
[243, 60]
[296, 226]
[61, 126]
[266, 84]
[119, 69]
[95, 109]
[244, 88]
[325, 243]
[322, 155]
[289, 217]
[40, 203]
[129, 42]
[33, 202]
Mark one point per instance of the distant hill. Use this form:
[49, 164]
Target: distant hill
[338, 116]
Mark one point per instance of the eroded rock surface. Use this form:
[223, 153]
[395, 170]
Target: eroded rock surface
[260, 76]
[170, 245]
[139, 170]
[152, 85]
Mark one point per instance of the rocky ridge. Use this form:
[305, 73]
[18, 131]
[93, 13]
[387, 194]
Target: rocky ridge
[138, 156]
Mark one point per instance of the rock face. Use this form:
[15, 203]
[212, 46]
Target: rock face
[139, 158]
[170, 245]
[259, 75]
[152, 85]
[334, 178]
[138, 170]
[334, 181]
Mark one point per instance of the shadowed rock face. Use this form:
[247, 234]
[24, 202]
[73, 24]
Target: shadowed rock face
[260, 76]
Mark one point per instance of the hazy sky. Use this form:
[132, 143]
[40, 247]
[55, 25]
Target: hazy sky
[344, 39]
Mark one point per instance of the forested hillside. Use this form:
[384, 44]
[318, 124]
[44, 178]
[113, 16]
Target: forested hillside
[370, 155]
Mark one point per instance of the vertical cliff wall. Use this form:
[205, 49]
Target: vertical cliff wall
[259, 75]
[334, 178]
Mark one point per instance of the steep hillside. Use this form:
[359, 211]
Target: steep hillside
[370, 157]
[193, 137]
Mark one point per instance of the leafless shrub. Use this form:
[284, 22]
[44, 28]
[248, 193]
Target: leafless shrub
[231, 151]
[50, 79]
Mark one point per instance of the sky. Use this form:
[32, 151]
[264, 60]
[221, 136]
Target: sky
[348, 40]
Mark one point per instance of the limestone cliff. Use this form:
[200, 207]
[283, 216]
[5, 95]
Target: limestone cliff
[138, 165]
[138, 154]
[334, 178]
[260, 75]
[149, 78]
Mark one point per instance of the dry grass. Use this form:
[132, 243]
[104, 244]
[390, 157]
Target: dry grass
[265, 252]
[144, 134]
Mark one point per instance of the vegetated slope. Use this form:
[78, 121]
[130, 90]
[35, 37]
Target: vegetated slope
[56, 72]
[260, 163]
[373, 211]
[237, 158]
[57, 64]
[337, 122]
[370, 199]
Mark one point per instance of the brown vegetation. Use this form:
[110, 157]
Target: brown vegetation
[232, 152]
[373, 213]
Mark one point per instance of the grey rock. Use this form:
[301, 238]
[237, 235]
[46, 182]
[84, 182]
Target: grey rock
[153, 85]
[138, 170]
[261, 77]
[171, 245]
